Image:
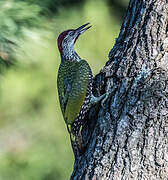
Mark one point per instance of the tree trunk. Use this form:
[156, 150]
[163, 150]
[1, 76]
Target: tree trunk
[127, 134]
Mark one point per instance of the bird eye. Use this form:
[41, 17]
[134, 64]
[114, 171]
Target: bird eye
[71, 33]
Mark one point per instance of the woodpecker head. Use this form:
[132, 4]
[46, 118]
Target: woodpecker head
[67, 39]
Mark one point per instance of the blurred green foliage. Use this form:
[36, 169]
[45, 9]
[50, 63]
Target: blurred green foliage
[15, 17]
[34, 141]
[52, 6]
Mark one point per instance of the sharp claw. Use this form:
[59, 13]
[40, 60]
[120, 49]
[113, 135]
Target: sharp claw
[104, 100]
[107, 95]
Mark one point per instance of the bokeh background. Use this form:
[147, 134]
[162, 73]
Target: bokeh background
[34, 143]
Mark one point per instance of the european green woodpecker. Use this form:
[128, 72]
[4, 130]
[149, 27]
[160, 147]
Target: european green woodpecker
[74, 85]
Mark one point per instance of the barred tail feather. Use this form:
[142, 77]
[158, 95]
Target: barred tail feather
[76, 142]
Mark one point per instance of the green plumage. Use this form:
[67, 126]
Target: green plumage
[74, 86]
[72, 82]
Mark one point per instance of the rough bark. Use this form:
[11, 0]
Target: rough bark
[127, 137]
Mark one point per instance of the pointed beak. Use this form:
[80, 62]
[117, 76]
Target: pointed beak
[82, 29]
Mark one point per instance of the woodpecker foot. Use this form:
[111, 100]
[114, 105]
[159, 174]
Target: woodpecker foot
[94, 100]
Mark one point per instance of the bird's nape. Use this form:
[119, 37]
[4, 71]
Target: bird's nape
[61, 38]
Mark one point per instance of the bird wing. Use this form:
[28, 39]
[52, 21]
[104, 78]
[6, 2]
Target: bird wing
[73, 81]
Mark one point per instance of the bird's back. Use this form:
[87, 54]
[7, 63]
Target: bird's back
[73, 81]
